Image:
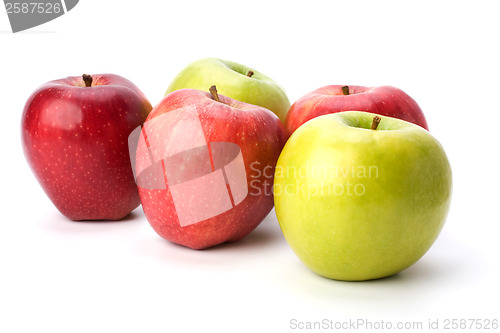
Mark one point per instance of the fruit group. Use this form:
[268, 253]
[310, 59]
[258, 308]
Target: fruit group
[356, 203]
[385, 100]
[74, 135]
[236, 81]
[205, 166]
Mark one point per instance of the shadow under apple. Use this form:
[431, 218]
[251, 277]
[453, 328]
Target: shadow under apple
[448, 268]
[56, 222]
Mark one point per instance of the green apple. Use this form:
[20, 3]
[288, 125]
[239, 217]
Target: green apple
[233, 80]
[357, 201]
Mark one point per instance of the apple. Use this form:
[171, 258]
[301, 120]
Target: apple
[205, 165]
[235, 81]
[75, 139]
[360, 196]
[385, 100]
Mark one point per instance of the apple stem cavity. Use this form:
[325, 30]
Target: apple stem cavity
[87, 79]
[213, 92]
[345, 90]
[250, 73]
[376, 121]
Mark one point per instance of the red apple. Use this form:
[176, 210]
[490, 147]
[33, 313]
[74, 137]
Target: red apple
[385, 100]
[205, 167]
[75, 139]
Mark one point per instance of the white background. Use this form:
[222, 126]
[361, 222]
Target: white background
[63, 276]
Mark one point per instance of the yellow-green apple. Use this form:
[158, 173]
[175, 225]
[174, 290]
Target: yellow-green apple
[236, 81]
[385, 100]
[357, 201]
[75, 139]
[205, 166]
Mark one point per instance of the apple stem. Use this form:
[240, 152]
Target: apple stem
[213, 92]
[345, 90]
[87, 79]
[250, 73]
[376, 121]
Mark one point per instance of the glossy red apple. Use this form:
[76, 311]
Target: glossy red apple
[384, 100]
[75, 139]
[205, 167]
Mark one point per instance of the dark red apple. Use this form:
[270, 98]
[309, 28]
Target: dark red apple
[384, 100]
[205, 167]
[75, 139]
